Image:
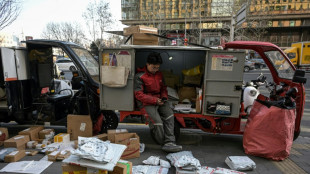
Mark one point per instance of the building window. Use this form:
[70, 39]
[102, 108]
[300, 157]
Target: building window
[292, 23]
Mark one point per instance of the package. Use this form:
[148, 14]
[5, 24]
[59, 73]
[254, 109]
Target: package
[240, 163]
[40, 146]
[18, 141]
[31, 144]
[192, 80]
[31, 152]
[144, 39]
[90, 148]
[46, 134]
[122, 167]
[50, 150]
[132, 141]
[63, 155]
[52, 156]
[4, 134]
[149, 169]
[187, 93]
[220, 170]
[259, 139]
[62, 138]
[152, 160]
[139, 29]
[112, 133]
[171, 80]
[14, 156]
[5, 151]
[103, 137]
[33, 132]
[74, 169]
[79, 125]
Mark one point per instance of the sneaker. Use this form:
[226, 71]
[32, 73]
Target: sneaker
[171, 147]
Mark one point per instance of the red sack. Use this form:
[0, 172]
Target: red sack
[269, 132]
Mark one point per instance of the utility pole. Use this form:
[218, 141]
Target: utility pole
[232, 23]
[232, 28]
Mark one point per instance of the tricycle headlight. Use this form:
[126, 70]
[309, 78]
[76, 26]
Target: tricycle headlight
[253, 93]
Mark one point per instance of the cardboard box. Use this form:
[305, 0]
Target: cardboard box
[143, 39]
[79, 125]
[171, 80]
[62, 138]
[139, 29]
[187, 93]
[31, 144]
[18, 141]
[103, 137]
[112, 133]
[122, 167]
[74, 169]
[192, 80]
[46, 134]
[31, 152]
[52, 156]
[63, 155]
[132, 141]
[33, 132]
[4, 135]
[14, 156]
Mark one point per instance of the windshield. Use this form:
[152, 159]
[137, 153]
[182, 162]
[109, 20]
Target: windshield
[281, 65]
[88, 61]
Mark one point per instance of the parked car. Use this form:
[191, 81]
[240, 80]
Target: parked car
[249, 65]
[259, 63]
[65, 64]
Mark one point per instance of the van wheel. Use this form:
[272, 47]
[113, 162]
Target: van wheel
[246, 69]
[72, 68]
[177, 131]
[110, 121]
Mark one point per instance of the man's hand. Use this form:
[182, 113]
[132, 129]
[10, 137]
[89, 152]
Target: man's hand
[159, 101]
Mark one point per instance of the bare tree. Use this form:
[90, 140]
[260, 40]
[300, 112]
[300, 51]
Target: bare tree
[71, 32]
[98, 19]
[9, 11]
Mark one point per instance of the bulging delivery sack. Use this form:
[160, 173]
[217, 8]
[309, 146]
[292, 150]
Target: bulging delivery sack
[269, 132]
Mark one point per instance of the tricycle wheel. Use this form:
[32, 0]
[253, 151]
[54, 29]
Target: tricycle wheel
[110, 121]
[160, 141]
[296, 135]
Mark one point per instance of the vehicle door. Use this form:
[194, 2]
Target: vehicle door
[223, 83]
[113, 62]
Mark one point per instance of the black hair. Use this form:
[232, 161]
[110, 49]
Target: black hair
[154, 58]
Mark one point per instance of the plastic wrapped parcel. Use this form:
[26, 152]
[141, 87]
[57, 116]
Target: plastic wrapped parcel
[94, 149]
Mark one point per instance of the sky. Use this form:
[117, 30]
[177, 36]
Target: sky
[35, 14]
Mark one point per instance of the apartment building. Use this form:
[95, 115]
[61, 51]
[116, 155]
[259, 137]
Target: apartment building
[209, 22]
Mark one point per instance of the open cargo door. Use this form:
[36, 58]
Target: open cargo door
[117, 70]
[223, 83]
[9, 64]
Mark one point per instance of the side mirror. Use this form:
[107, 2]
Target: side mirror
[299, 76]
[62, 73]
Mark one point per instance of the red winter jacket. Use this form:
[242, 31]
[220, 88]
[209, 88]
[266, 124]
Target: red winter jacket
[149, 87]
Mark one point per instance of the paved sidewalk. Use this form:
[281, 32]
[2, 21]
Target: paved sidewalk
[211, 150]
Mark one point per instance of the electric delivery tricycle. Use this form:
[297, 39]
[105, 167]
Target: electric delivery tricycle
[221, 106]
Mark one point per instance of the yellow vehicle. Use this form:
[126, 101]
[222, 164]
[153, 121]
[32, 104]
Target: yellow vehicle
[299, 54]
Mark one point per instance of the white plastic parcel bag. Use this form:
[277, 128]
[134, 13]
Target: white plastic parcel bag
[240, 163]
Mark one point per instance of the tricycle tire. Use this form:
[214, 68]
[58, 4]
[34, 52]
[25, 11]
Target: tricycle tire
[296, 135]
[110, 121]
